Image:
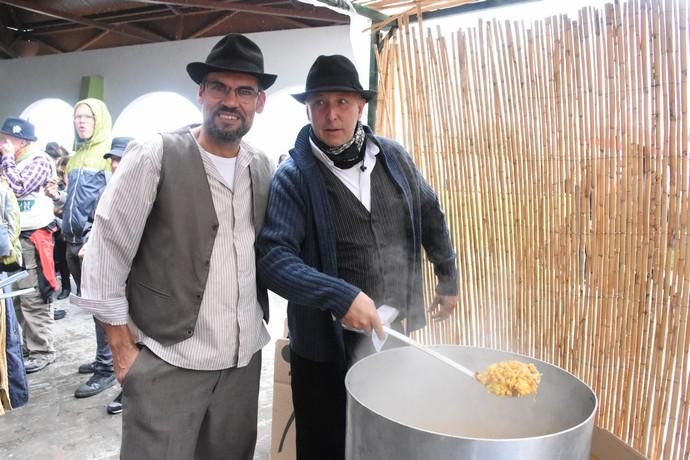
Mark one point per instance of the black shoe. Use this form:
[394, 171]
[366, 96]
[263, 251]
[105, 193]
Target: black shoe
[96, 384]
[36, 363]
[88, 368]
[115, 406]
[63, 294]
[59, 313]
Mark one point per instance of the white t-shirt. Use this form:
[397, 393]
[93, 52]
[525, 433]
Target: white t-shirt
[226, 168]
[357, 179]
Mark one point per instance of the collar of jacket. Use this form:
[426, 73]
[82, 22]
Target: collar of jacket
[28, 151]
[306, 162]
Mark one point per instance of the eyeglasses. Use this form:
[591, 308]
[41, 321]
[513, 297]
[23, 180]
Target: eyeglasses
[218, 90]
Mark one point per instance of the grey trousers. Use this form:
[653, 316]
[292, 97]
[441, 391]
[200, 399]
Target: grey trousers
[173, 413]
[35, 316]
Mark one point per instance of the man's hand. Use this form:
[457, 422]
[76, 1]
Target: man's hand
[82, 252]
[51, 190]
[6, 148]
[362, 315]
[442, 306]
[124, 349]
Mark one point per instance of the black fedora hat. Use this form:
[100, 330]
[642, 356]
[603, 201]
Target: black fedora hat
[21, 129]
[333, 73]
[233, 53]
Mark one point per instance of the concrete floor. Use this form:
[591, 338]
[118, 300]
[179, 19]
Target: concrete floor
[54, 425]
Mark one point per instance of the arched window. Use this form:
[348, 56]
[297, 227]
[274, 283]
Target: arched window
[274, 131]
[53, 121]
[155, 112]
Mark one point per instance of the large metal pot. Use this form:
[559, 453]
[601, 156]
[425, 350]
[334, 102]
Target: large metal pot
[404, 404]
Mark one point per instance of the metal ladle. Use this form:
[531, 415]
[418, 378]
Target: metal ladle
[429, 351]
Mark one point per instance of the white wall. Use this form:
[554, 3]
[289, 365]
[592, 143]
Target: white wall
[132, 71]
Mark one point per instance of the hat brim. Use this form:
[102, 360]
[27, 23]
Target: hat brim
[113, 154]
[30, 139]
[366, 94]
[198, 71]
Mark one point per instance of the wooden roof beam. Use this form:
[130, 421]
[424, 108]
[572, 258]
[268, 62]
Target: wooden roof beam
[95, 39]
[211, 25]
[125, 29]
[114, 20]
[47, 45]
[294, 22]
[179, 27]
[325, 15]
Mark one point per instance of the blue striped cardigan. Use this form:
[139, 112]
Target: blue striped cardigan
[296, 251]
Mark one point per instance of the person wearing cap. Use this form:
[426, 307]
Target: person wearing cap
[117, 149]
[60, 156]
[55, 189]
[28, 170]
[56, 151]
[172, 253]
[115, 154]
[347, 218]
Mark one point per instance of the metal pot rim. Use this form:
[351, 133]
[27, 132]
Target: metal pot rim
[469, 438]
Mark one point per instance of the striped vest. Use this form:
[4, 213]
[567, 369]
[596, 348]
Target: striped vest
[175, 249]
[372, 247]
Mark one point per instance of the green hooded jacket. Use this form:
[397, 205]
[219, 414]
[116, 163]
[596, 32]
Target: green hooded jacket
[86, 174]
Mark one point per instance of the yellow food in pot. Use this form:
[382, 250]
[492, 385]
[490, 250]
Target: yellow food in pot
[510, 378]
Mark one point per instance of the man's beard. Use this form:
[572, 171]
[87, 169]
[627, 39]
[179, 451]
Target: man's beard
[226, 135]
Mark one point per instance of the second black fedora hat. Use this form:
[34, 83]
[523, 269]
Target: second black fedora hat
[333, 73]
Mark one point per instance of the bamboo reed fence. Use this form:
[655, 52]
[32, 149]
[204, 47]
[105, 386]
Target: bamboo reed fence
[559, 149]
[397, 8]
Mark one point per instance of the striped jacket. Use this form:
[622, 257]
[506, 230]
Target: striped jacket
[297, 255]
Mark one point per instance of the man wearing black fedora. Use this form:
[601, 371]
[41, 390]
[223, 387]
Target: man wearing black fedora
[178, 264]
[347, 218]
[27, 170]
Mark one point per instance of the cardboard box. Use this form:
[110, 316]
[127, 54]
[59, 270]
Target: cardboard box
[606, 446]
[283, 420]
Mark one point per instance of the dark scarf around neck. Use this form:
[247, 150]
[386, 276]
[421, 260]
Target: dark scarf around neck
[348, 154]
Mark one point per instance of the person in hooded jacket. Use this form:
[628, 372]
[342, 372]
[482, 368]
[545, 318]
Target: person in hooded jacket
[86, 180]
